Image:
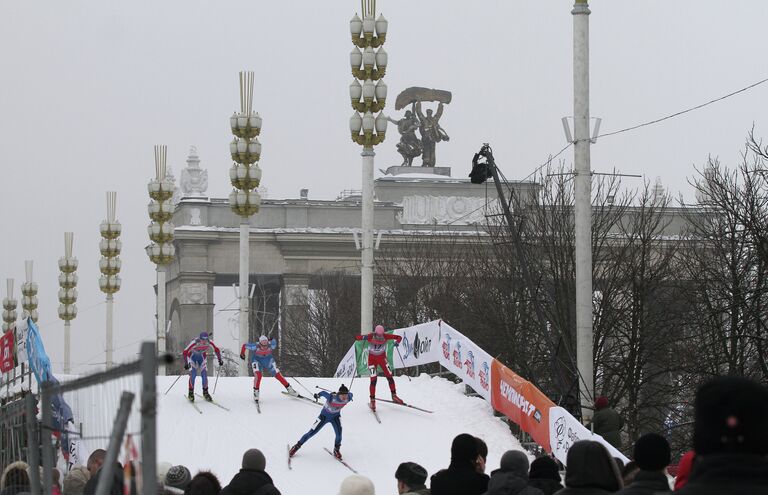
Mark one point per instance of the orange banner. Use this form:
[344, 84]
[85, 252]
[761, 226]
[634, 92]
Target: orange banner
[516, 398]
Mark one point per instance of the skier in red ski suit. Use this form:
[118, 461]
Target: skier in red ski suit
[377, 358]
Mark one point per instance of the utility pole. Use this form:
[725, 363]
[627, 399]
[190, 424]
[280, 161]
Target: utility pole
[583, 207]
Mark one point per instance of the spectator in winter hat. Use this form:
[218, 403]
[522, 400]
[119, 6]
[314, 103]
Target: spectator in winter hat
[162, 470]
[730, 437]
[590, 470]
[545, 475]
[75, 480]
[684, 468]
[251, 477]
[482, 455]
[512, 476]
[357, 485]
[177, 479]
[204, 483]
[652, 456]
[606, 422]
[410, 479]
[15, 478]
[461, 476]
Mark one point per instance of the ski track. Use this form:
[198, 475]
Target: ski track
[216, 439]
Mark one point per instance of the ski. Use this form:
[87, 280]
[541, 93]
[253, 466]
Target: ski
[375, 414]
[340, 460]
[194, 405]
[301, 397]
[289, 457]
[405, 405]
[213, 402]
[258, 406]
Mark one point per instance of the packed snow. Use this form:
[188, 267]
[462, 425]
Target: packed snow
[216, 439]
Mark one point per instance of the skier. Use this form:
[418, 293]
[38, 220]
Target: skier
[331, 413]
[262, 359]
[194, 357]
[377, 358]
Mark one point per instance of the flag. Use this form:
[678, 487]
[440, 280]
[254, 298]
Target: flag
[39, 362]
[6, 352]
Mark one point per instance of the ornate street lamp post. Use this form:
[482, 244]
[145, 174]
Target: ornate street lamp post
[9, 308]
[109, 265]
[368, 66]
[29, 293]
[67, 294]
[245, 176]
[161, 252]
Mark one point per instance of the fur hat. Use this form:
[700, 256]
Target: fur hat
[75, 480]
[652, 452]
[731, 415]
[178, 477]
[15, 474]
[357, 485]
[412, 475]
[254, 459]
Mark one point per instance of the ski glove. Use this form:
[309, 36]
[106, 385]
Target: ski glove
[242, 356]
[221, 363]
[186, 366]
[316, 396]
[397, 343]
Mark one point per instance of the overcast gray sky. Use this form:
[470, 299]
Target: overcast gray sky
[88, 87]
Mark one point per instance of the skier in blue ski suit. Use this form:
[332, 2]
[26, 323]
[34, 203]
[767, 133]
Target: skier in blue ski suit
[331, 413]
[261, 360]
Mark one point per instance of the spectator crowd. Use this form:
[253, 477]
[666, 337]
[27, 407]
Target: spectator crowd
[729, 455]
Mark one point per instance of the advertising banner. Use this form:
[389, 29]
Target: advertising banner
[6, 352]
[462, 357]
[346, 368]
[21, 342]
[522, 402]
[564, 430]
[419, 345]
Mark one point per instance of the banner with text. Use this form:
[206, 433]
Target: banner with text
[564, 430]
[6, 352]
[462, 357]
[522, 402]
[420, 344]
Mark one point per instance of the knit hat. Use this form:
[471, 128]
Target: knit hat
[652, 452]
[411, 474]
[178, 477]
[544, 468]
[464, 448]
[514, 461]
[254, 459]
[343, 389]
[379, 329]
[357, 485]
[601, 402]
[75, 480]
[731, 415]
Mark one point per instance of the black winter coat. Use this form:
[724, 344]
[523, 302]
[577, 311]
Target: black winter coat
[647, 483]
[547, 486]
[608, 423]
[250, 482]
[720, 474]
[509, 483]
[590, 471]
[458, 479]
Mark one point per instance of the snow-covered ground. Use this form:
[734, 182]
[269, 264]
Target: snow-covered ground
[216, 439]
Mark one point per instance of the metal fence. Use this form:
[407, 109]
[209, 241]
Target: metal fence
[41, 437]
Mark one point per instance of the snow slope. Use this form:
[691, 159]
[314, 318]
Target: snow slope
[216, 439]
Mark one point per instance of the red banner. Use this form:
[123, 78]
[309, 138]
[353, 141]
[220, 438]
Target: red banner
[6, 352]
[520, 401]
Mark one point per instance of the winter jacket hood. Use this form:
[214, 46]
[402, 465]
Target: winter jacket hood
[591, 466]
[250, 482]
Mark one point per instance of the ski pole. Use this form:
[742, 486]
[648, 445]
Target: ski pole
[301, 384]
[402, 361]
[216, 381]
[172, 384]
[321, 388]
[354, 375]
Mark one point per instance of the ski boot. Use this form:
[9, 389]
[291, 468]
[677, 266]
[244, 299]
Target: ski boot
[291, 391]
[337, 452]
[396, 399]
[207, 396]
[256, 394]
[294, 449]
[191, 395]
[372, 404]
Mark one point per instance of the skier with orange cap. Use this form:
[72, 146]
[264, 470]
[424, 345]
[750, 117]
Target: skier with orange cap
[377, 358]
